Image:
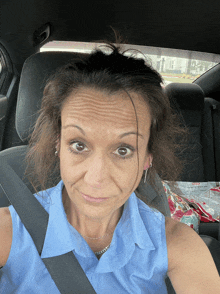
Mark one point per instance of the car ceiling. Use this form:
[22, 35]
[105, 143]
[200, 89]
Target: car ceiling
[189, 24]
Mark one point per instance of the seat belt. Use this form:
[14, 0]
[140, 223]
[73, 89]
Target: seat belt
[65, 269]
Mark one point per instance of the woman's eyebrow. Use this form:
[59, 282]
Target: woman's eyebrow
[74, 126]
[120, 136]
[131, 133]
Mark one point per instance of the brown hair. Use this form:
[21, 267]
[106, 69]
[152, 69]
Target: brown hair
[112, 73]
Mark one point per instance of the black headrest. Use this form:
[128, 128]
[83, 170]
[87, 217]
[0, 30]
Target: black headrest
[186, 96]
[36, 70]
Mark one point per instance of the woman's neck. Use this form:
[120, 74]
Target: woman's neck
[92, 230]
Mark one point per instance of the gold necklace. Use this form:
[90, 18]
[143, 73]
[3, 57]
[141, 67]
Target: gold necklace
[103, 250]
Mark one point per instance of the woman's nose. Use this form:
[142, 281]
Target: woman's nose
[96, 171]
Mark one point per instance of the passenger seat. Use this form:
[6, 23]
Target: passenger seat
[202, 117]
[188, 101]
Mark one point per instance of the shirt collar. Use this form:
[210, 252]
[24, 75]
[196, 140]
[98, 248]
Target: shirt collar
[130, 231]
[61, 237]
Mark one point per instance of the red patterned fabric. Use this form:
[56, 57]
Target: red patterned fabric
[188, 211]
[180, 210]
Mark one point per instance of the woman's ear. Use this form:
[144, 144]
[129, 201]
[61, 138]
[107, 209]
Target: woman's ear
[58, 146]
[148, 161]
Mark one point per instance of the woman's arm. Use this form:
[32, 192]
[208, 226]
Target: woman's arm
[191, 267]
[5, 235]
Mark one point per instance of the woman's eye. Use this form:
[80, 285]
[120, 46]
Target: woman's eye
[124, 152]
[77, 146]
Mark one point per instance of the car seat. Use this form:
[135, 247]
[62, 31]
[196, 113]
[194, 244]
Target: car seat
[202, 117]
[188, 100]
[197, 115]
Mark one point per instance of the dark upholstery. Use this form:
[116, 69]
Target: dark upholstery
[208, 141]
[35, 72]
[188, 100]
[212, 118]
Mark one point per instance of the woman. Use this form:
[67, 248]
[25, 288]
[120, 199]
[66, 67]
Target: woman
[105, 124]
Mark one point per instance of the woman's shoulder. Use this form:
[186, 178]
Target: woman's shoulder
[5, 234]
[187, 253]
[171, 225]
[177, 234]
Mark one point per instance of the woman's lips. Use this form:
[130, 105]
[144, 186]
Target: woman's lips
[92, 199]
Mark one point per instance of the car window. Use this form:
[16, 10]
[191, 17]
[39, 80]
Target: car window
[179, 66]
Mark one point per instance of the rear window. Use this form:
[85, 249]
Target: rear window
[178, 66]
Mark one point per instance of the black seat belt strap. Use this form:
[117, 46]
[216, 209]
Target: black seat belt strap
[65, 269]
[31, 212]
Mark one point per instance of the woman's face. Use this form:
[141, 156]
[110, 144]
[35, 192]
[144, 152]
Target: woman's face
[98, 152]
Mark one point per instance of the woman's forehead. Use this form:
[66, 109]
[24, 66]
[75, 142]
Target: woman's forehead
[92, 105]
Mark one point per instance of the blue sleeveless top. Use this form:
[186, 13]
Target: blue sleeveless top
[136, 261]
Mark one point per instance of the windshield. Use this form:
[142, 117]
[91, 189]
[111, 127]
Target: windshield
[178, 66]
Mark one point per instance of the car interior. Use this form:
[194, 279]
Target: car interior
[27, 26]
